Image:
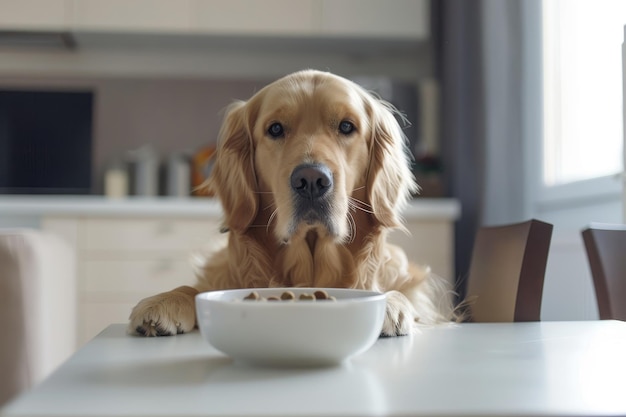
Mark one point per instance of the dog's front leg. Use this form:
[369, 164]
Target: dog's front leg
[166, 314]
[399, 316]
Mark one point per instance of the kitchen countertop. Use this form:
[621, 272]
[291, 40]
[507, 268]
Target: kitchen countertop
[39, 206]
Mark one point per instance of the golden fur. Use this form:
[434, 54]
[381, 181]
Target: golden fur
[352, 145]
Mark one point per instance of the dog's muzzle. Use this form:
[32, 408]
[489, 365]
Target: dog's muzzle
[311, 186]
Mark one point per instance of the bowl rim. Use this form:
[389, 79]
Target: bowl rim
[367, 296]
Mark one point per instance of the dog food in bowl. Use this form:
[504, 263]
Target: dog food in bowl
[274, 326]
[290, 296]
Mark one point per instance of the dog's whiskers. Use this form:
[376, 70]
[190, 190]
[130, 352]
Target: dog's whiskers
[269, 221]
[356, 204]
[362, 203]
[272, 217]
[269, 206]
[351, 228]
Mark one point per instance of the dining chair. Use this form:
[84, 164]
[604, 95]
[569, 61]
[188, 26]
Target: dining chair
[606, 251]
[508, 264]
[37, 308]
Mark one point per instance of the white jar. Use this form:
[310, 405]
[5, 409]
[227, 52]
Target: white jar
[116, 181]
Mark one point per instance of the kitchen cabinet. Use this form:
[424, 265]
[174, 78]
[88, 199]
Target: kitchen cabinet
[40, 15]
[268, 17]
[216, 38]
[124, 259]
[163, 16]
[130, 249]
[316, 18]
[399, 18]
[429, 242]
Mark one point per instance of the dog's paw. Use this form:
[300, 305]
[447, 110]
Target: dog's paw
[399, 316]
[164, 314]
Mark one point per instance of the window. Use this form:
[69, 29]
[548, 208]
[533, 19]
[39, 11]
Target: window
[582, 61]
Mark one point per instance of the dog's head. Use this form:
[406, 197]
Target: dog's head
[304, 153]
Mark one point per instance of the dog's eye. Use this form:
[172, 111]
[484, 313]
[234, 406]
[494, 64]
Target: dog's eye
[346, 127]
[276, 130]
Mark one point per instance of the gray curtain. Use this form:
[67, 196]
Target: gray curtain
[481, 52]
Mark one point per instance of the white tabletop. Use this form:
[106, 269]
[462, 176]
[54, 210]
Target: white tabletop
[547, 368]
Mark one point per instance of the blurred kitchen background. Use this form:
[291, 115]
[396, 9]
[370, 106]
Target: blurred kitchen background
[156, 76]
[124, 98]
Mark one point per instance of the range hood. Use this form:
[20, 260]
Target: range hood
[37, 40]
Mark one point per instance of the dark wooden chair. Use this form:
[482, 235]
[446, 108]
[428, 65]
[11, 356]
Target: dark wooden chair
[606, 251]
[505, 282]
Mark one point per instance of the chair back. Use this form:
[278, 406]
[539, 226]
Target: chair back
[505, 282]
[606, 251]
[37, 308]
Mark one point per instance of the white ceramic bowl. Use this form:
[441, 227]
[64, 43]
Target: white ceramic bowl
[294, 332]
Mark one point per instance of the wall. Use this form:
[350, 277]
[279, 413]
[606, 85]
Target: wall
[568, 289]
[171, 114]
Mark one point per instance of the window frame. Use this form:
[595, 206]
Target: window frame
[606, 188]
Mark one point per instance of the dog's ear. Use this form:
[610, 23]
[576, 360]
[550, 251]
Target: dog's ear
[233, 178]
[390, 181]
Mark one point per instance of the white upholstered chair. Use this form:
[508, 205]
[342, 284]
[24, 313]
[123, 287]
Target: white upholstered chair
[37, 308]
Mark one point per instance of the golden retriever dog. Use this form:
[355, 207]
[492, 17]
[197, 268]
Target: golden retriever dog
[312, 173]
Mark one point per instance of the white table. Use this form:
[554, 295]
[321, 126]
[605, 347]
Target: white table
[548, 368]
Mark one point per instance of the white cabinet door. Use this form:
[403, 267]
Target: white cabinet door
[137, 278]
[268, 17]
[95, 316]
[351, 18]
[429, 243]
[151, 234]
[398, 18]
[34, 14]
[158, 16]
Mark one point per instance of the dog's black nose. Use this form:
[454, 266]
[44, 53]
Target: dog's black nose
[311, 181]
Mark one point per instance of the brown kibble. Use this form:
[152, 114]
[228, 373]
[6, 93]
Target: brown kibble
[287, 295]
[252, 296]
[321, 295]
